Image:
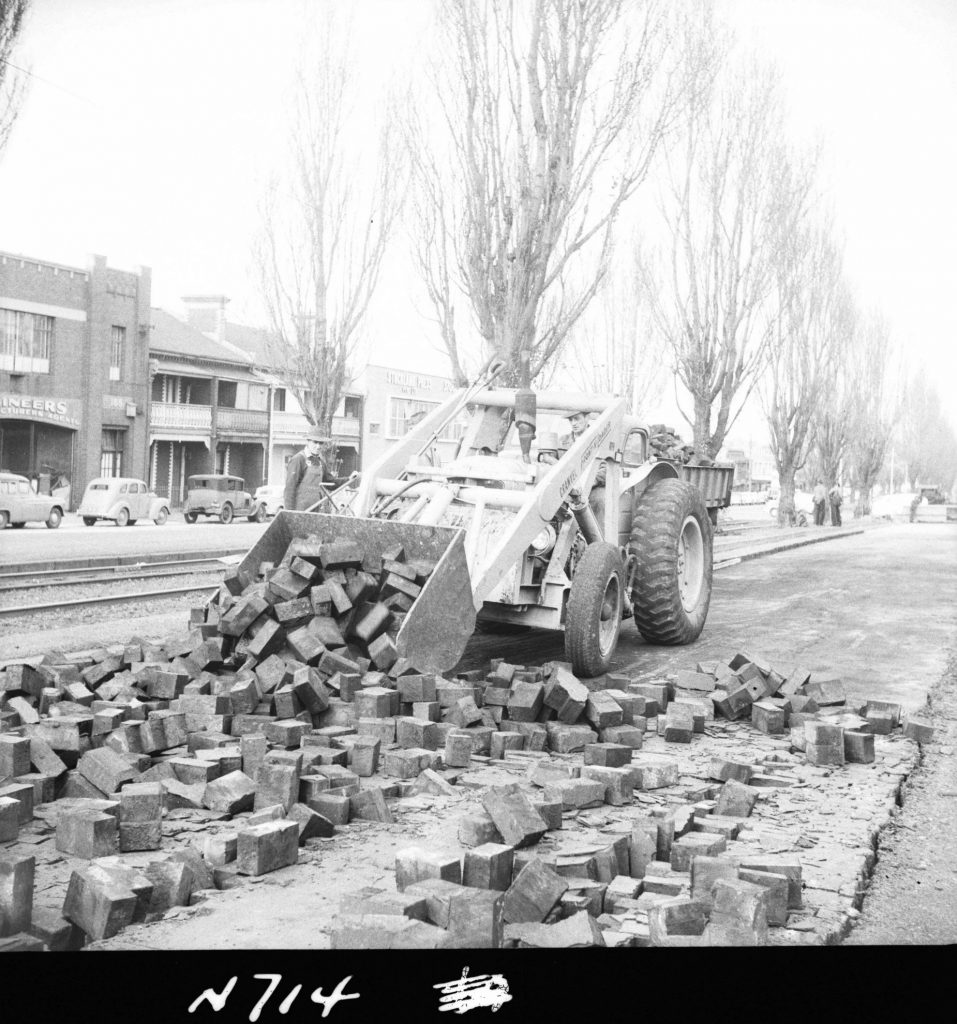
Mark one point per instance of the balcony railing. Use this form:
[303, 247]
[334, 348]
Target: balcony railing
[295, 425]
[244, 421]
[179, 416]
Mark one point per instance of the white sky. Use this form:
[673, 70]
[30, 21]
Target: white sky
[151, 124]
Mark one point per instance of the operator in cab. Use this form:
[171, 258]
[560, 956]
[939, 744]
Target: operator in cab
[578, 424]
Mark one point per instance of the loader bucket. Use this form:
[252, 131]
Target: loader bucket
[438, 625]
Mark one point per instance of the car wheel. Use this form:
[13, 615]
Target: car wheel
[161, 516]
[56, 517]
[259, 515]
[122, 517]
[89, 520]
[226, 515]
[190, 517]
[4, 520]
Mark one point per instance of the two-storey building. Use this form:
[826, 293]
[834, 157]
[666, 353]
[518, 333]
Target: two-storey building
[73, 371]
[209, 409]
[286, 425]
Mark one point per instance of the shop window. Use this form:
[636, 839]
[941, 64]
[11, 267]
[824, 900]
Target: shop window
[117, 344]
[405, 413]
[111, 453]
[26, 340]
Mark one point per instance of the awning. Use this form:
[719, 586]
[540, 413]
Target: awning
[177, 368]
[183, 438]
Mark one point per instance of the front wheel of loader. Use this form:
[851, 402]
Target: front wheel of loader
[593, 616]
[672, 540]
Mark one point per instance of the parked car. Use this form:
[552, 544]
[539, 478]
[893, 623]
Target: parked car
[123, 500]
[271, 496]
[20, 504]
[223, 496]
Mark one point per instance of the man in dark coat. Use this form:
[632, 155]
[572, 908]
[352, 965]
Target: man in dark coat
[835, 498]
[310, 473]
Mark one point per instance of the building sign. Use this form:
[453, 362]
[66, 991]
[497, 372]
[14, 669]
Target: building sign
[409, 383]
[62, 412]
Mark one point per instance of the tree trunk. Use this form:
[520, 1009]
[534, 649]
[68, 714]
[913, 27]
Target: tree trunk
[702, 426]
[786, 513]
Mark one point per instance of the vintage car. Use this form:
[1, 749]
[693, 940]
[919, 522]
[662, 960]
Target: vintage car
[122, 500]
[271, 495]
[20, 504]
[220, 495]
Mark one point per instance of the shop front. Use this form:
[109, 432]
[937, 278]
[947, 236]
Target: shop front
[38, 437]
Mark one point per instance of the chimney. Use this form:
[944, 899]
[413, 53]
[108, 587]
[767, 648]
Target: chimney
[207, 313]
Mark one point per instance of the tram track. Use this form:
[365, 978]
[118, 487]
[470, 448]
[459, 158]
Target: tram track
[67, 590]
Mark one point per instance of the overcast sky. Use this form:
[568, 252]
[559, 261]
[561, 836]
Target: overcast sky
[150, 126]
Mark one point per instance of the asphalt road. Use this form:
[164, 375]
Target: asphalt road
[34, 542]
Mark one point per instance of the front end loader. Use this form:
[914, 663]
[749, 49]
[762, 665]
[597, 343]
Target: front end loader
[519, 534]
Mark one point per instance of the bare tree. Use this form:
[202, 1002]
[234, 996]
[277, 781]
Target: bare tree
[12, 78]
[326, 224]
[613, 348]
[926, 439]
[731, 197]
[549, 114]
[814, 322]
[874, 406]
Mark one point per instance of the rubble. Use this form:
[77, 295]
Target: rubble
[286, 717]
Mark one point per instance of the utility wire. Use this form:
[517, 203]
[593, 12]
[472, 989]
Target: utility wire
[46, 81]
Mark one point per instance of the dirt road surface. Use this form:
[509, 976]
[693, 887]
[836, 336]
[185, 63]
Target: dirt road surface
[913, 894]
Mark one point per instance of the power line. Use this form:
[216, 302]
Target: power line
[46, 81]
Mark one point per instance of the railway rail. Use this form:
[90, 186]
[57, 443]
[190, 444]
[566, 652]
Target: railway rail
[95, 585]
[33, 580]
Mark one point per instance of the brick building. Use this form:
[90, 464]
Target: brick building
[73, 371]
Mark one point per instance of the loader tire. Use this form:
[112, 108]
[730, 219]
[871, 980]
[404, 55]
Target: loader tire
[593, 615]
[672, 539]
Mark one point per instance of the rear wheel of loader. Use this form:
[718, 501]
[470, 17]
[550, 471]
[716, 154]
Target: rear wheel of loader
[672, 539]
[593, 616]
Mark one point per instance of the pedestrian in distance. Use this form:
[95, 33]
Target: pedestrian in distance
[835, 498]
[820, 503]
[310, 473]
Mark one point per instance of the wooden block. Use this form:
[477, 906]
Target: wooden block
[513, 814]
[736, 799]
[489, 866]
[602, 710]
[566, 695]
[370, 805]
[458, 749]
[534, 892]
[16, 893]
[267, 847]
[98, 904]
[414, 864]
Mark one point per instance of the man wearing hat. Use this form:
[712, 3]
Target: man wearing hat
[309, 473]
[578, 424]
